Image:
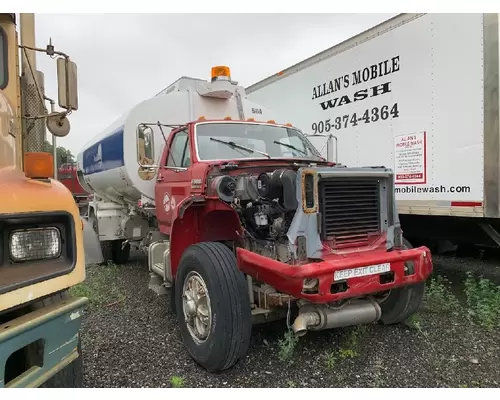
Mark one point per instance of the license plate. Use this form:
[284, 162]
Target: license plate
[361, 271]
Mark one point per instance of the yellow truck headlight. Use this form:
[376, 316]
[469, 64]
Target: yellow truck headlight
[35, 244]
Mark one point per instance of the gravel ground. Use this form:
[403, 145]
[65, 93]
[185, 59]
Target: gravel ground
[455, 268]
[131, 339]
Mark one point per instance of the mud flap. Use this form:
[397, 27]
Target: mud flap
[91, 244]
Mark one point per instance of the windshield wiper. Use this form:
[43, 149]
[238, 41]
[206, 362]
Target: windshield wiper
[291, 147]
[239, 146]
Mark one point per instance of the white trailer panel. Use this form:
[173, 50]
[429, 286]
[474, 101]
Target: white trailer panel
[408, 94]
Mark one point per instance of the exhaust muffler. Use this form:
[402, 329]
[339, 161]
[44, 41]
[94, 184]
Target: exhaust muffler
[317, 317]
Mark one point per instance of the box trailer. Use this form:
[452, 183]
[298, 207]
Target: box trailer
[417, 93]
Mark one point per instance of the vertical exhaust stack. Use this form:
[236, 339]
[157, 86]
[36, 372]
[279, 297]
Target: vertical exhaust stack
[32, 101]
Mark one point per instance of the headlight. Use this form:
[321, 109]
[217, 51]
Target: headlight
[35, 244]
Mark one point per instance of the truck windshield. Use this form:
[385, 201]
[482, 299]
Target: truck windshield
[219, 141]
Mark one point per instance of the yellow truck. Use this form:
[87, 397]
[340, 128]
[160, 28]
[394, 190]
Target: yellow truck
[41, 233]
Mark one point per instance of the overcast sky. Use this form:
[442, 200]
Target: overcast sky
[125, 58]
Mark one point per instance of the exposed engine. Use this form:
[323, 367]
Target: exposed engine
[266, 204]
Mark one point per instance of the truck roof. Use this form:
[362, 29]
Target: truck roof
[186, 82]
[364, 36]
[177, 83]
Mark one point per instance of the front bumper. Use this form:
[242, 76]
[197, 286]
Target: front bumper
[289, 279]
[58, 325]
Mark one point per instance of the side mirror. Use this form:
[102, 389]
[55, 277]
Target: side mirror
[67, 84]
[145, 145]
[330, 149]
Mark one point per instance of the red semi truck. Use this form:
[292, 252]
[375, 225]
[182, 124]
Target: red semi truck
[243, 220]
[67, 176]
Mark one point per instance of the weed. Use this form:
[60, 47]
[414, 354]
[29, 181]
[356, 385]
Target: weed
[177, 381]
[100, 287]
[291, 384]
[347, 353]
[350, 348]
[353, 338]
[82, 290]
[379, 381]
[473, 384]
[414, 322]
[330, 359]
[439, 297]
[483, 301]
[287, 346]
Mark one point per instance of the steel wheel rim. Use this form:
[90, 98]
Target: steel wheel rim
[196, 307]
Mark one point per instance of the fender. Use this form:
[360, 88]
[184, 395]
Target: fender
[201, 223]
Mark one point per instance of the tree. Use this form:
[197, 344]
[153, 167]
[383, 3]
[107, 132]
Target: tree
[63, 155]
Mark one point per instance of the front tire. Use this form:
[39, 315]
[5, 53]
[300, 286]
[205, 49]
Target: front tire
[402, 303]
[213, 306]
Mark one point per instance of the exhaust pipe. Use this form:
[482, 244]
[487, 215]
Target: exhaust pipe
[304, 321]
[319, 317]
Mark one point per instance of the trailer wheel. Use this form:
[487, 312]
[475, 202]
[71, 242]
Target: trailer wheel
[212, 306]
[402, 303]
[84, 210]
[119, 255]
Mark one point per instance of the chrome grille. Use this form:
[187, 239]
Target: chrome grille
[350, 210]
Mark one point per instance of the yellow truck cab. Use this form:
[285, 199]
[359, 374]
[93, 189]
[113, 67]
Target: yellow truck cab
[41, 236]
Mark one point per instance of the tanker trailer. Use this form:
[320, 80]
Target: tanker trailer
[122, 211]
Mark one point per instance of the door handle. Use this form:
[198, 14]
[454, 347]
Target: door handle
[160, 178]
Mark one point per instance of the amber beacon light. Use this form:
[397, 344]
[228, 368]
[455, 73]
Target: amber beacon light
[221, 72]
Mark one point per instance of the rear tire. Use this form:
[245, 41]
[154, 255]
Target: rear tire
[119, 255]
[112, 251]
[403, 302]
[84, 210]
[212, 267]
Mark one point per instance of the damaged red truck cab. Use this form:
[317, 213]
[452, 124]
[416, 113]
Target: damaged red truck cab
[257, 224]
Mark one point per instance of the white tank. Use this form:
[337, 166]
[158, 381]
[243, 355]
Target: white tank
[108, 163]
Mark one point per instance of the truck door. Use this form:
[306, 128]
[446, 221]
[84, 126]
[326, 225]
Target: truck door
[173, 179]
